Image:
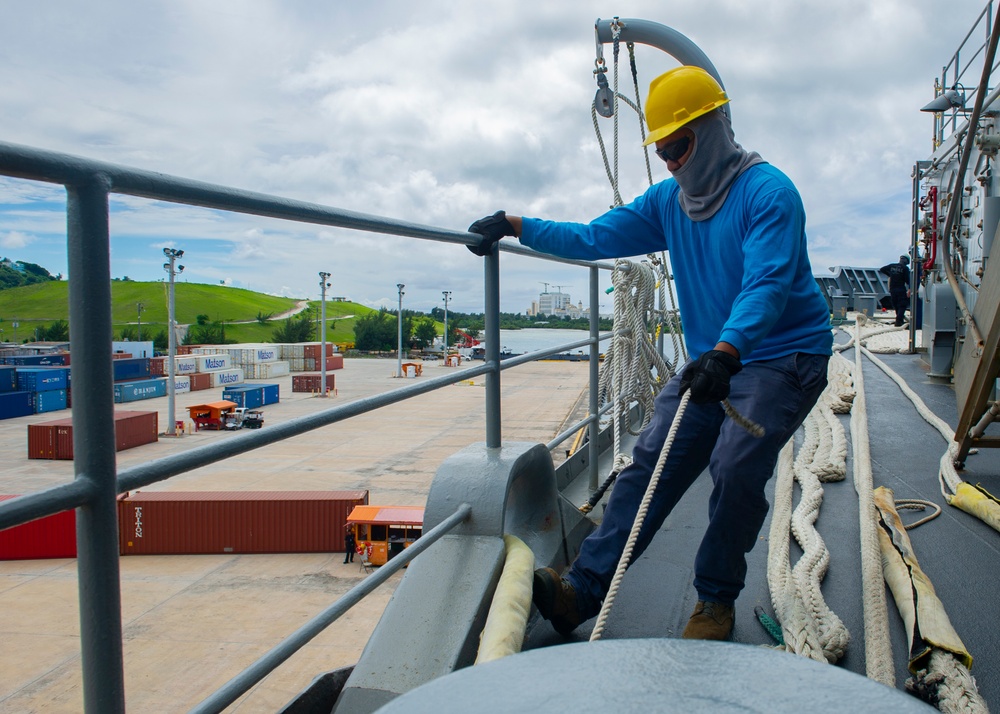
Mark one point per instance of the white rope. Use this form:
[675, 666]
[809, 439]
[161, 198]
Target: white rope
[640, 517]
[878, 652]
[810, 628]
[948, 684]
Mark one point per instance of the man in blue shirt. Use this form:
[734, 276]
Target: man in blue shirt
[756, 326]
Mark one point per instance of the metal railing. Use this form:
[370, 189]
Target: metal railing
[96, 481]
[956, 70]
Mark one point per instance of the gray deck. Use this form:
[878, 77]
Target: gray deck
[958, 552]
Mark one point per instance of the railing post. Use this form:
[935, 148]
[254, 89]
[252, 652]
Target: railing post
[594, 426]
[94, 446]
[492, 330]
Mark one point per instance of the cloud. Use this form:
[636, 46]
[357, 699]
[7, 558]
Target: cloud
[439, 113]
[13, 240]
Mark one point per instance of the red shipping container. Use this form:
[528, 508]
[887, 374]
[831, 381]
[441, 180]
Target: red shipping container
[335, 361]
[313, 351]
[311, 382]
[121, 355]
[200, 380]
[204, 522]
[49, 537]
[156, 367]
[54, 439]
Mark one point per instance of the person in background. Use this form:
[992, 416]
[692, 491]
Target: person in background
[899, 286]
[350, 545]
[756, 326]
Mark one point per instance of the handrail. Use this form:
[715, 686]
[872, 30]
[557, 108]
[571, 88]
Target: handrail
[97, 482]
[241, 683]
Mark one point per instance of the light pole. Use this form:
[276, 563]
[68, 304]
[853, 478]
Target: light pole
[447, 294]
[399, 353]
[172, 270]
[139, 307]
[323, 285]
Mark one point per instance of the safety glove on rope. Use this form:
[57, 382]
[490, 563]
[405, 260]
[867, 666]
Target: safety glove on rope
[492, 229]
[708, 376]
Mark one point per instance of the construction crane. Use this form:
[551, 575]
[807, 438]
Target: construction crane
[546, 290]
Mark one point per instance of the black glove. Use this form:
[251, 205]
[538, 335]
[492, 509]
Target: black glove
[492, 228]
[708, 376]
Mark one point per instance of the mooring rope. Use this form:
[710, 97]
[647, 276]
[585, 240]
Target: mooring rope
[947, 684]
[878, 651]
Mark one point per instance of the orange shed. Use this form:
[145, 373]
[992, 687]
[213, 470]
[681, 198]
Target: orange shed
[386, 530]
[209, 416]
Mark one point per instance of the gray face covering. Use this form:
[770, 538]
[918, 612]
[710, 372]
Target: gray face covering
[715, 162]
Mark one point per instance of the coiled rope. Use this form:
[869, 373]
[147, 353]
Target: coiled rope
[809, 627]
[627, 376]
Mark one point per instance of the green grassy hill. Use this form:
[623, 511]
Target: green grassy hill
[43, 303]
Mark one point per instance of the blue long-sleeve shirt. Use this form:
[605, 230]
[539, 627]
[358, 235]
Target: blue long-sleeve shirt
[742, 276]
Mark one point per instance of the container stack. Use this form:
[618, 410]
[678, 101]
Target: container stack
[48, 387]
[13, 402]
[252, 396]
[254, 361]
[305, 356]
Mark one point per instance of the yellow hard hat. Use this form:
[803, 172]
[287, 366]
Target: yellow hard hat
[679, 96]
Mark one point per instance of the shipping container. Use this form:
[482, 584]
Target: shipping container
[224, 378]
[16, 404]
[185, 349]
[122, 355]
[143, 348]
[48, 537]
[200, 380]
[130, 370]
[182, 384]
[185, 522]
[8, 378]
[185, 365]
[306, 350]
[54, 439]
[56, 359]
[266, 370]
[50, 401]
[311, 382]
[212, 362]
[249, 397]
[243, 354]
[157, 366]
[335, 362]
[42, 379]
[144, 389]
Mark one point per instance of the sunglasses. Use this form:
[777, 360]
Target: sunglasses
[675, 149]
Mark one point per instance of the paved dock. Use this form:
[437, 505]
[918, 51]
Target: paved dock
[193, 622]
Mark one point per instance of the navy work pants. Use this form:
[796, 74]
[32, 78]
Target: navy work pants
[900, 303]
[777, 394]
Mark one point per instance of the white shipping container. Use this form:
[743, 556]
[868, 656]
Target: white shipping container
[182, 384]
[298, 364]
[293, 351]
[266, 370]
[185, 365]
[213, 362]
[225, 377]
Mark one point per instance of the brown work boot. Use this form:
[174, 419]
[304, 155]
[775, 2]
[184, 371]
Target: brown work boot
[555, 599]
[710, 621]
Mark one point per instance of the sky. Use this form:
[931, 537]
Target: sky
[440, 113]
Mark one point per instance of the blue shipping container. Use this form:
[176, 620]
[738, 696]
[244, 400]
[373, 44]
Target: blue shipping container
[50, 401]
[42, 379]
[15, 404]
[145, 389]
[249, 397]
[37, 360]
[270, 393]
[130, 370]
[8, 379]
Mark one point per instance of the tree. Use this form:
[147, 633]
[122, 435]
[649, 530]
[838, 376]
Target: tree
[128, 334]
[263, 317]
[58, 331]
[161, 340]
[298, 328]
[377, 331]
[424, 332]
